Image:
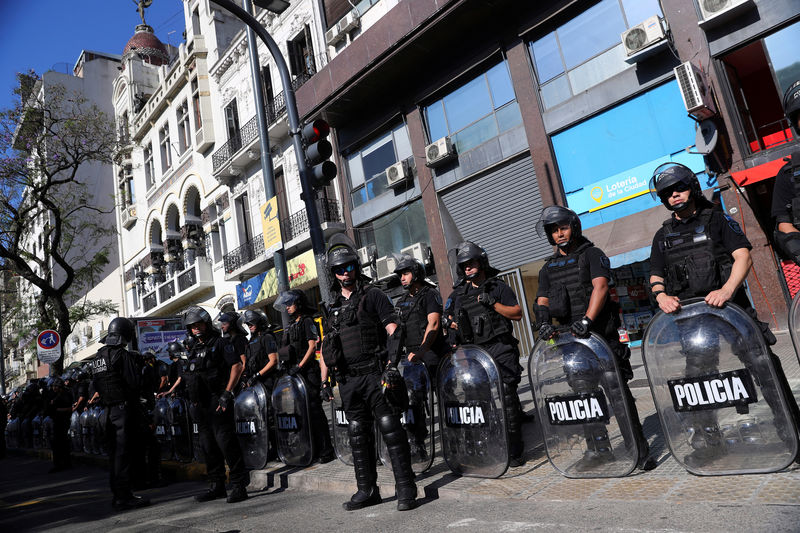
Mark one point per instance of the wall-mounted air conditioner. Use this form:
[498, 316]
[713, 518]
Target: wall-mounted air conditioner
[385, 266]
[368, 271]
[644, 39]
[696, 94]
[439, 152]
[349, 22]
[333, 36]
[716, 12]
[398, 174]
[365, 254]
[418, 250]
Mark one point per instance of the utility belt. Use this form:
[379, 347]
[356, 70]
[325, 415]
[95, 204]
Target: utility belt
[361, 368]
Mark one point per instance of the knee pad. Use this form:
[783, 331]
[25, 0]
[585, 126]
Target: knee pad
[391, 429]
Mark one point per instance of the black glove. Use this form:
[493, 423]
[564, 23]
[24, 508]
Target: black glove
[546, 331]
[487, 299]
[252, 380]
[394, 388]
[294, 370]
[580, 328]
[326, 392]
[225, 399]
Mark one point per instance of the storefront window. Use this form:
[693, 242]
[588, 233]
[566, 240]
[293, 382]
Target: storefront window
[367, 167]
[397, 230]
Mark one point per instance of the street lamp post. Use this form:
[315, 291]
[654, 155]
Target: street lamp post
[308, 195]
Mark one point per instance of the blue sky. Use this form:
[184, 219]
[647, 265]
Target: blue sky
[50, 34]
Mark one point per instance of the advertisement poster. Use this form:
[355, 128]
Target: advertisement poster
[155, 333]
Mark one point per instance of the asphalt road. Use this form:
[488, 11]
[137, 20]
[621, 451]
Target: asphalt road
[78, 501]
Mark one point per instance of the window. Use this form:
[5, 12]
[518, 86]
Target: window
[198, 116]
[195, 22]
[232, 120]
[126, 189]
[301, 56]
[759, 75]
[123, 135]
[367, 168]
[184, 132]
[216, 241]
[587, 49]
[394, 231]
[163, 142]
[476, 112]
[149, 170]
[244, 220]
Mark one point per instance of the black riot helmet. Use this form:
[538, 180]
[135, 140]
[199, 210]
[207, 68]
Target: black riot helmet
[293, 297]
[406, 262]
[234, 321]
[256, 318]
[465, 252]
[342, 252]
[120, 332]
[175, 350]
[56, 382]
[791, 105]
[670, 175]
[196, 314]
[556, 215]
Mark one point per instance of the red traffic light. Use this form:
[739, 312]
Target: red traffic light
[314, 131]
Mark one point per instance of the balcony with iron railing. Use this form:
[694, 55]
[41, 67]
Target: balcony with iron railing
[180, 288]
[250, 258]
[233, 155]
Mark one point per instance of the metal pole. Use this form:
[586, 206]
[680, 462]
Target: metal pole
[2, 354]
[267, 171]
[308, 195]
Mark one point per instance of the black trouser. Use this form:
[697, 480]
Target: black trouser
[120, 426]
[147, 457]
[622, 357]
[61, 444]
[219, 443]
[319, 422]
[506, 356]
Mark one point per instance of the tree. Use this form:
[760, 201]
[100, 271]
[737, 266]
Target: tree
[54, 232]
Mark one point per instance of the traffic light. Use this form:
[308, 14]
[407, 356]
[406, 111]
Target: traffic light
[318, 150]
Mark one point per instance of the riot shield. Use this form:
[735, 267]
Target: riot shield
[162, 425]
[473, 420]
[180, 430]
[12, 433]
[98, 435]
[794, 324]
[36, 430]
[341, 437]
[716, 391]
[75, 434]
[292, 421]
[418, 418]
[584, 413]
[197, 449]
[26, 433]
[47, 433]
[87, 435]
[250, 412]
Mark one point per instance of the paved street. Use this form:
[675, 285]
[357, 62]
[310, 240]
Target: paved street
[533, 496]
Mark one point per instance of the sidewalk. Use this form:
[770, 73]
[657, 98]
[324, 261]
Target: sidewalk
[538, 481]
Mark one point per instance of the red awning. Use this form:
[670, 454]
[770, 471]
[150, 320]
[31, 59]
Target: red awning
[758, 173]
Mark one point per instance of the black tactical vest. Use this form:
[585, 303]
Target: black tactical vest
[257, 353]
[570, 284]
[358, 330]
[694, 264]
[793, 168]
[487, 324]
[207, 366]
[296, 337]
[413, 318]
[107, 375]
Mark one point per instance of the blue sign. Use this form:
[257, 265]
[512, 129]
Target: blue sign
[247, 291]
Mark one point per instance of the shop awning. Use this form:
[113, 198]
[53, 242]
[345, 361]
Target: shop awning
[301, 270]
[758, 173]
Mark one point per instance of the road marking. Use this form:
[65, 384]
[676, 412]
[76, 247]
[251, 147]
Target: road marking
[506, 525]
[78, 495]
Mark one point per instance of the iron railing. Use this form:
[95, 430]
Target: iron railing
[297, 224]
[166, 291]
[244, 254]
[187, 279]
[149, 301]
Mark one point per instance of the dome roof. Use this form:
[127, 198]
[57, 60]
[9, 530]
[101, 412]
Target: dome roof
[146, 45]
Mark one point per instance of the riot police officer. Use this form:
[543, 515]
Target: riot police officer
[261, 353]
[233, 333]
[358, 321]
[178, 357]
[786, 194]
[573, 289]
[482, 308]
[299, 351]
[419, 313]
[60, 410]
[211, 376]
[117, 380]
[701, 252]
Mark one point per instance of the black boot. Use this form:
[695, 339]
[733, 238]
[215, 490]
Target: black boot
[238, 494]
[128, 502]
[363, 446]
[513, 409]
[400, 454]
[216, 490]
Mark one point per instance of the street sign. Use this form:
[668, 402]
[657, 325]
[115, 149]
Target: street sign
[48, 346]
[271, 226]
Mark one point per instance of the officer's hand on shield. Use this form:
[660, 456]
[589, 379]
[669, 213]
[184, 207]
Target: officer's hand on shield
[719, 297]
[251, 381]
[580, 328]
[225, 400]
[412, 357]
[546, 331]
[326, 392]
[667, 303]
[294, 370]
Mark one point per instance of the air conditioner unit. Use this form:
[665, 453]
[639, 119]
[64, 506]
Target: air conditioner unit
[418, 250]
[365, 254]
[716, 12]
[333, 35]
[696, 94]
[368, 271]
[439, 152]
[87, 331]
[349, 22]
[398, 173]
[385, 266]
[642, 40]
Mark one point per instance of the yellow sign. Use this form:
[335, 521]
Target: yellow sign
[597, 194]
[300, 270]
[271, 226]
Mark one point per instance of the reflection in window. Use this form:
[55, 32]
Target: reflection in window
[396, 230]
[782, 49]
[367, 167]
[476, 112]
[587, 48]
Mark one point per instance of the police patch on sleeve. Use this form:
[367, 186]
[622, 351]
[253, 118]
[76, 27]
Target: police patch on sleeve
[437, 298]
[605, 262]
[735, 227]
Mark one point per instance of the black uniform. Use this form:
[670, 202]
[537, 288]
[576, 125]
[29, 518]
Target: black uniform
[566, 281]
[295, 339]
[61, 444]
[694, 256]
[256, 357]
[117, 378]
[359, 323]
[207, 375]
[494, 333]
